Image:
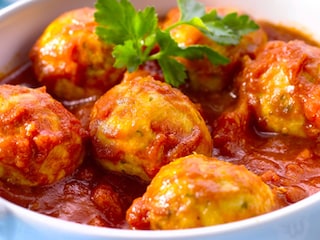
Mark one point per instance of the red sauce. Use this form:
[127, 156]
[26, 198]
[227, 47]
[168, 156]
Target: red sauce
[290, 165]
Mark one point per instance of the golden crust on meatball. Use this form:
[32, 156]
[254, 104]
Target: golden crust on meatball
[283, 87]
[70, 59]
[203, 75]
[142, 124]
[197, 191]
[40, 141]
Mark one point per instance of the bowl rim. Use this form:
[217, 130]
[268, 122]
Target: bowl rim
[216, 230]
[67, 226]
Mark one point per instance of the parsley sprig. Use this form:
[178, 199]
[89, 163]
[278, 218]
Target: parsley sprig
[135, 33]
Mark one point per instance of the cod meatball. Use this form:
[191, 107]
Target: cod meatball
[283, 88]
[40, 141]
[203, 75]
[71, 61]
[198, 191]
[142, 124]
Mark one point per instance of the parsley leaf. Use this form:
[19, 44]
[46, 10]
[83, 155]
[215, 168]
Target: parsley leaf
[127, 55]
[173, 71]
[114, 20]
[120, 24]
[229, 29]
[135, 33]
[190, 9]
[171, 48]
[240, 24]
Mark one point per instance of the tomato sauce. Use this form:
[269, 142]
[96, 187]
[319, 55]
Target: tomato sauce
[290, 165]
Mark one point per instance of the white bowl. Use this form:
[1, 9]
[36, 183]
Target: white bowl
[22, 22]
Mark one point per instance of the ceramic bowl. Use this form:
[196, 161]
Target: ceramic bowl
[20, 25]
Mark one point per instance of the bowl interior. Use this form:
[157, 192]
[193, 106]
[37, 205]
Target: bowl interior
[22, 23]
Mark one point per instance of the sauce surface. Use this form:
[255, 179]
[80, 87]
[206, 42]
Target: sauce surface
[290, 165]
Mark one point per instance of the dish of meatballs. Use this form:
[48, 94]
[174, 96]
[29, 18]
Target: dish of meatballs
[85, 140]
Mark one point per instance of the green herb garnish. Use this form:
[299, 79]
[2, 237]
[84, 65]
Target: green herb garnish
[135, 33]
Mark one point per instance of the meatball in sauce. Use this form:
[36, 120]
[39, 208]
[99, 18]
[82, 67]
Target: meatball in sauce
[142, 124]
[71, 61]
[215, 131]
[198, 191]
[40, 140]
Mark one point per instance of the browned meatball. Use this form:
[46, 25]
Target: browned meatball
[283, 88]
[70, 59]
[40, 141]
[198, 191]
[204, 76]
[142, 124]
